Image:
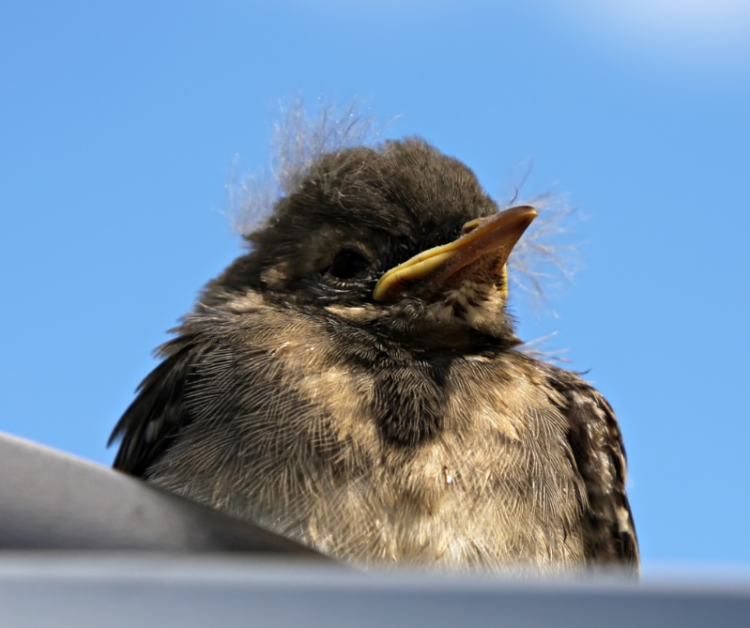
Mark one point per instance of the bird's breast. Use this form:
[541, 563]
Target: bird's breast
[383, 458]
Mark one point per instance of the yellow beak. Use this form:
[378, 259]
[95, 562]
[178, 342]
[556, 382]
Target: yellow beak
[483, 249]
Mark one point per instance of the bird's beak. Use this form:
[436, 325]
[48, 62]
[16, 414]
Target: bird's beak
[480, 254]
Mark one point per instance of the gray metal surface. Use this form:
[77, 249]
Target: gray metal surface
[51, 500]
[163, 590]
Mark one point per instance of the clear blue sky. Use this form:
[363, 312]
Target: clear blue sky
[119, 127]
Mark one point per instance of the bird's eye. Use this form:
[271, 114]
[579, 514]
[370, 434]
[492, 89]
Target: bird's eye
[348, 264]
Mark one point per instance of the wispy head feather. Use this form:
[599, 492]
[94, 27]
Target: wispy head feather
[545, 259]
[299, 139]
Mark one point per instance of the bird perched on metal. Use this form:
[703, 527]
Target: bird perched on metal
[354, 382]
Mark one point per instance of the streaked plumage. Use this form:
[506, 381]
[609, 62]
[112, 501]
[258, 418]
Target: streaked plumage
[402, 429]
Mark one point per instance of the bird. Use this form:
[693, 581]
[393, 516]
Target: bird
[354, 382]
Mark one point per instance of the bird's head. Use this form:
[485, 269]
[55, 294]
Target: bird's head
[399, 239]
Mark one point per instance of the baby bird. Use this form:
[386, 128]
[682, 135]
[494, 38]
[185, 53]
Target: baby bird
[354, 382]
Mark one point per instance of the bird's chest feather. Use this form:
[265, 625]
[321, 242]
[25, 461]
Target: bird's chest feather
[383, 459]
[465, 463]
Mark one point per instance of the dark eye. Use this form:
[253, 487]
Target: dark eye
[348, 264]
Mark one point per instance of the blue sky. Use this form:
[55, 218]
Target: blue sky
[122, 124]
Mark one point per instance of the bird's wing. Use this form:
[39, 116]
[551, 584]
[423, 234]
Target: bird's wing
[596, 443]
[158, 414]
